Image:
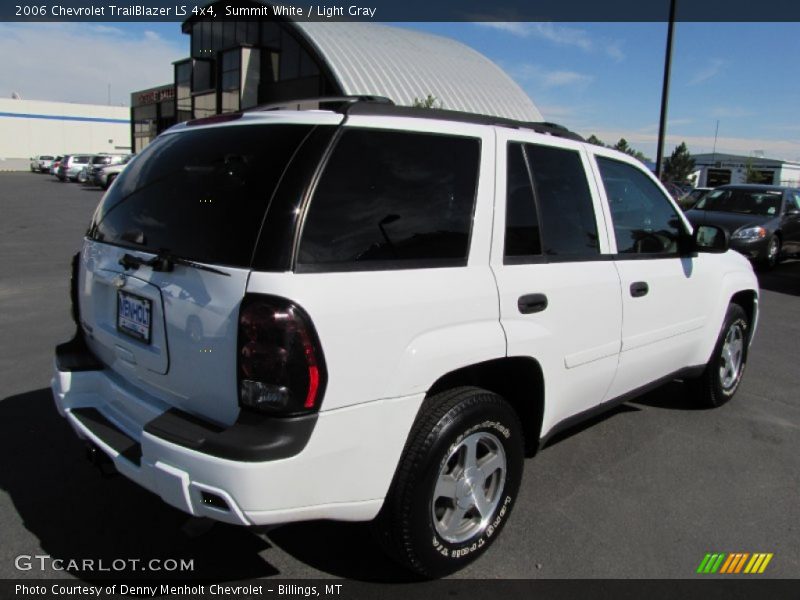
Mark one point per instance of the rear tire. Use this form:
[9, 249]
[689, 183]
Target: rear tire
[723, 372]
[109, 181]
[456, 483]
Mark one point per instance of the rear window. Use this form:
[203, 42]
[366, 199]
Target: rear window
[200, 194]
[45, 158]
[392, 199]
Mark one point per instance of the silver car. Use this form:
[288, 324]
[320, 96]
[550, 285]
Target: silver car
[71, 166]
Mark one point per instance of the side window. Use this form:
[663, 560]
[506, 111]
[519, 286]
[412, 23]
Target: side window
[569, 228]
[794, 202]
[392, 199]
[645, 222]
[522, 222]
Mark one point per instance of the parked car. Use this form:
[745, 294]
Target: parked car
[763, 221]
[55, 164]
[72, 166]
[41, 163]
[106, 176]
[375, 313]
[98, 162]
[693, 197]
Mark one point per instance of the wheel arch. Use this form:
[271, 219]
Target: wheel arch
[518, 379]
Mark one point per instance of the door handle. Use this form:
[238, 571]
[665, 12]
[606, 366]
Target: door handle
[639, 289]
[532, 303]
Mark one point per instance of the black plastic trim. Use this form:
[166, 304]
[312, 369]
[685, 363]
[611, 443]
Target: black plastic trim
[569, 422]
[252, 438]
[75, 355]
[277, 238]
[391, 110]
[112, 435]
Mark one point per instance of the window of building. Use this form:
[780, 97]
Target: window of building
[183, 90]
[717, 177]
[391, 199]
[645, 221]
[205, 105]
[231, 78]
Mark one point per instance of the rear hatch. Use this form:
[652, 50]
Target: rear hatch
[168, 255]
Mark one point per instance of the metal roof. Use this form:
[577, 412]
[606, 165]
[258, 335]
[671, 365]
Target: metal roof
[402, 64]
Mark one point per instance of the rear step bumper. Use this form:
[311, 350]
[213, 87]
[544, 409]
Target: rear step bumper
[336, 465]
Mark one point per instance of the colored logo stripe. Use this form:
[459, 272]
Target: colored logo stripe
[734, 562]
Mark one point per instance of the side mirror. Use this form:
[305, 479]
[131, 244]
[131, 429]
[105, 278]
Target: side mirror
[710, 238]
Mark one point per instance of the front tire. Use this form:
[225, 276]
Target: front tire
[723, 372]
[456, 483]
[773, 254]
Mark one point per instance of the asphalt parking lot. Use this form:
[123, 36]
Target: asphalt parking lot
[643, 492]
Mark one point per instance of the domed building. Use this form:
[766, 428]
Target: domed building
[235, 65]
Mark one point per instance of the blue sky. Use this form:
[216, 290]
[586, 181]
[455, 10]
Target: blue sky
[602, 78]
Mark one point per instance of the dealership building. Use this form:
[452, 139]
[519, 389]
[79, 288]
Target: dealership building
[235, 65]
[31, 127]
[712, 170]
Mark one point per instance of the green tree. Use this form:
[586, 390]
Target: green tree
[623, 146]
[430, 101]
[593, 139]
[679, 165]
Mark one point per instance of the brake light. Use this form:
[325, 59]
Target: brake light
[280, 362]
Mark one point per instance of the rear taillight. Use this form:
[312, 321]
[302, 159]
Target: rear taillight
[281, 367]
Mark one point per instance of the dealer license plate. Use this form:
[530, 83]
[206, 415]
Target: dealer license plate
[134, 316]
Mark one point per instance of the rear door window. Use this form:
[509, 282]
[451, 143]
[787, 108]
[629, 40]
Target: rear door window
[200, 194]
[392, 199]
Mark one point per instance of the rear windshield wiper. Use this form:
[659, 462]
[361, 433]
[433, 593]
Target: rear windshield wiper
[164, 262]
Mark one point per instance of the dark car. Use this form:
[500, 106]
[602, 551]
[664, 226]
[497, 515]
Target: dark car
[763, 221]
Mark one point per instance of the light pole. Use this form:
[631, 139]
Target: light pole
[662, 125]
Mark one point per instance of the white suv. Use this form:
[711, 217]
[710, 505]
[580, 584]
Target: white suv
[375, 312]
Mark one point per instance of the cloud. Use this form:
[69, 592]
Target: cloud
[730, 112]
[550, 78]
[699, 144]
[561, 36]
[95, 55]
[712, 68]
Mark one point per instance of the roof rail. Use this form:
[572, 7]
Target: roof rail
[335, 103]
[378, 109]
[382, 106]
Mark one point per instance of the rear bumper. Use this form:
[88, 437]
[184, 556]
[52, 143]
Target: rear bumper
[341, 471]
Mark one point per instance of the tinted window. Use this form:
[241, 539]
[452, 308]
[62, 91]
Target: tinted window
[742, 201]
[522, 222]
[795, 201]
[395, 197]
[200, 194]
[645, 222]
[569, 227]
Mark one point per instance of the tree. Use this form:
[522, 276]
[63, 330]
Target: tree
[430, 101]
[622, 146]
[593, 139]
[679, 165]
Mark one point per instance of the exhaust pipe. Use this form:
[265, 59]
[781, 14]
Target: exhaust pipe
[101, 460]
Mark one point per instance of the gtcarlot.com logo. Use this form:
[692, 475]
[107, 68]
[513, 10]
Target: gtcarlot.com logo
[734, 563]
[45, 562]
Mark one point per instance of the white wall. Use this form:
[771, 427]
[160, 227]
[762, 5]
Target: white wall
[789, 175]
[31, 127]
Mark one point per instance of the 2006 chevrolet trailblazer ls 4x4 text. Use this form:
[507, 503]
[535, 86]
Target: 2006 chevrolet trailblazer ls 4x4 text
[375, 312]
